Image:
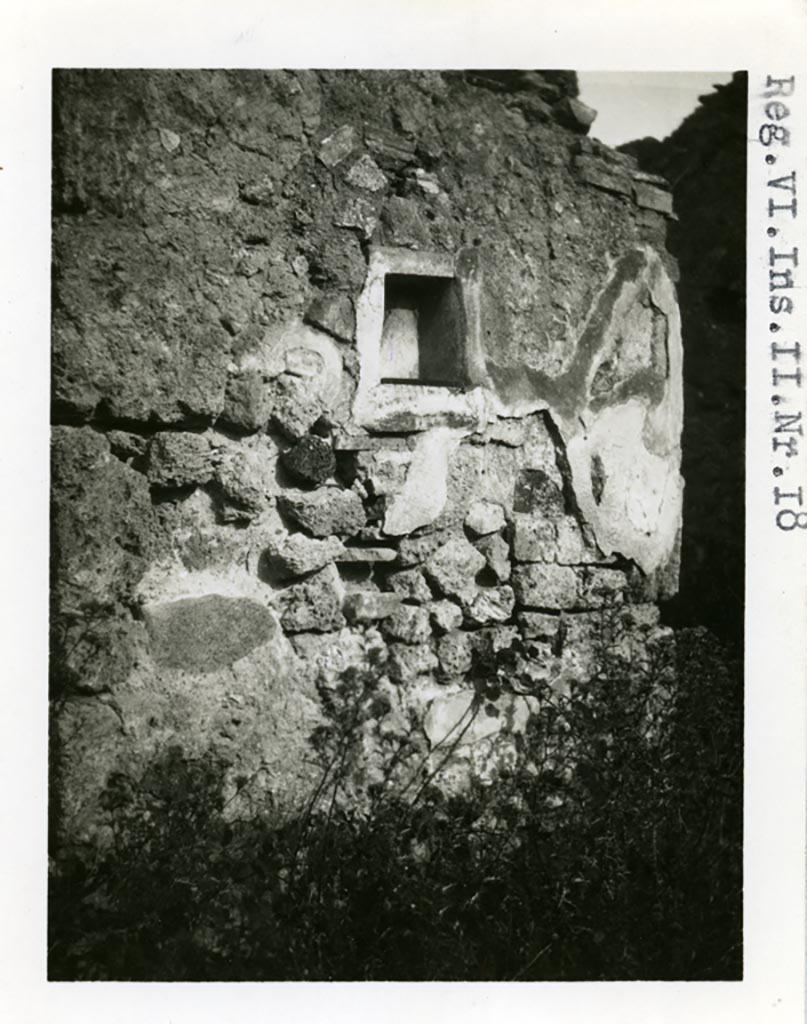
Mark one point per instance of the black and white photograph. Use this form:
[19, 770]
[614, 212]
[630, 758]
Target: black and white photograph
[420, 531]
[395, 633]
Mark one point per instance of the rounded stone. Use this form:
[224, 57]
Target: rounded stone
[311, 459]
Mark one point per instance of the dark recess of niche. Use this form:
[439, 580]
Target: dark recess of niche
[705, 161]
[439, 328]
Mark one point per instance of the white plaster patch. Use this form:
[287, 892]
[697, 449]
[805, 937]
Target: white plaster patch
[425, 489]
[296, 348]
[625, 458]
[452, 718]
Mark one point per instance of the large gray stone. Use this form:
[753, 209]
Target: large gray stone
[534, 539]
[295, 409]
[491, 604]
[496, 551]
[203, 634]
[179, 458]
[326, 511]
[370, 606]
[545, 586]
[539, 626]
[334, 314]
[335, 147]
[455, 653]
[409, 624]
[573, 113]
[445, 615]
[407, 661]
[485, 517]
[453, 566]
[247, 475]
[296, 554]
[360, 555]
[599, 587]
[246, 401]
[367, 175]
[314, 604]
[103, 528]
[414, 550]
[411, 585]
[311, 459]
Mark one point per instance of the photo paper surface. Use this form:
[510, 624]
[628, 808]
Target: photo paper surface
[426, 548]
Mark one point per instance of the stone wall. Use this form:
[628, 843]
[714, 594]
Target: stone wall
[350, 369]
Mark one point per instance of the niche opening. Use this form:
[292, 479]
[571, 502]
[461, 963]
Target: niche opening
[423, 337]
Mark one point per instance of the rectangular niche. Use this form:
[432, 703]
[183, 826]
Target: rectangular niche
[418, 341]
[423, 334]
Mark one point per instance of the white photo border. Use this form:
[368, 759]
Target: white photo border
[585, 35]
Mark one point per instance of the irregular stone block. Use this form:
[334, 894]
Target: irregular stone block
[573, 113]
[334, 314]
[314, 604]
[246, 401]
[453, 566]
[485, 517]
[370, 606]
[651, 179]
[409, 624]
[247, 475]
[401, 224]
[358, 214]
[652, 198]
[491, 604]
[414, 550]
[534, 109]
[445, 615]
[125, 445]
[494, 638]
[296, 554]
[539, 626]
[367, 175]
[571, 546]
[335, 147]
[497, 555]
[366, 555]
[178, 458]
[545, 586]
[391, 150]
[103, 528]
[294, 408]
[407, 661]
[328, 510]
[534, 539]
[600, 587]
[260, 192]
[602, 176]
[455, 653]
[411, 585]
[311, 459]
[204, 634]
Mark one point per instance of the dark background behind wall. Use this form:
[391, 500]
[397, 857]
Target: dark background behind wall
[705, 162]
